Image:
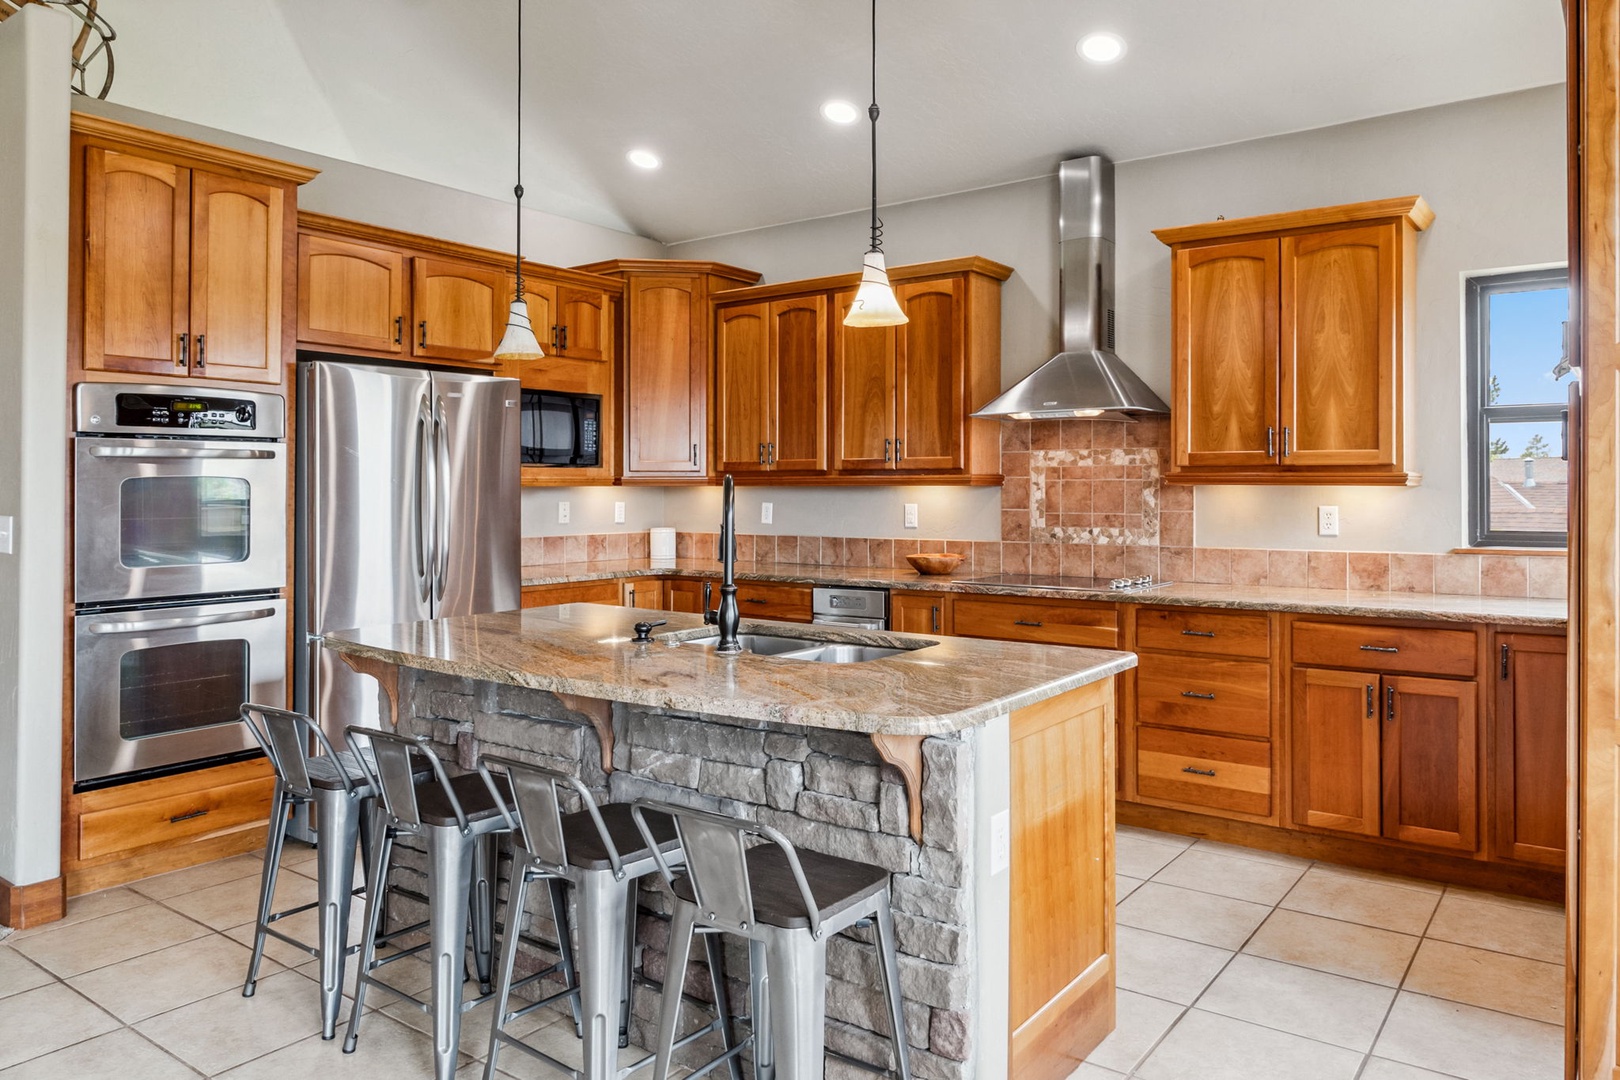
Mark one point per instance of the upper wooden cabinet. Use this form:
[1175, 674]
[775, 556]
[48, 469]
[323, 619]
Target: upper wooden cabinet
[771, 386]
[186, 258]
[666, 372]
[351, 295]
[572, 373]
[458, 309]
[582, 328]
[1293, 344]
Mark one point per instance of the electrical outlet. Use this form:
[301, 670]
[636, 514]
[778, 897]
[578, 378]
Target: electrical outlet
[6, 528]
[767, 511]
[563, 512]
[1000, 841]
[1327, 521]
[911, 515]
[618, 513]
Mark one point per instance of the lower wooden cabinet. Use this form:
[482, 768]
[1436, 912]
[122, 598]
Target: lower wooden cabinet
[685, 594]
[920, 612]
[645, 593]
[1044, 622]
[771, 600]
[1206, 772]
[1335, 750]
[1528, 749]
[606, 591]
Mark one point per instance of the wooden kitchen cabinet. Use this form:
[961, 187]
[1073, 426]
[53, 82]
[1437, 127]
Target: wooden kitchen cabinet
[1431, 762]
[1529, 758]
[1293, 344]
[571, 373]
[186, 263]
[604, 591]
[685, 594]
[459, 309]
[771, 385]
[1044, 622]
[1336, 750]
[351, 295]
[644, 592]
[920, 612]
[583, 327]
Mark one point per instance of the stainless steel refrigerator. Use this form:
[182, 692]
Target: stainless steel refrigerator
[407, 510]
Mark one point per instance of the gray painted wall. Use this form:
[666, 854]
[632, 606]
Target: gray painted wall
[33, 368]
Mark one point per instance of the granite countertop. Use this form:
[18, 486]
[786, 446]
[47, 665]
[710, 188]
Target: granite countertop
[586, 650]
[1442, 607]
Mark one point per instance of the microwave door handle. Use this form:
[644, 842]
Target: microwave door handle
[420, 496]
[441, 498]
[186, 622]
[161, 453]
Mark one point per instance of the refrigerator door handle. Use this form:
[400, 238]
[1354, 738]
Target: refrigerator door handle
[421, 496]
[441, 497]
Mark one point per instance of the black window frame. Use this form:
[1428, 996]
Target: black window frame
[1479, 289]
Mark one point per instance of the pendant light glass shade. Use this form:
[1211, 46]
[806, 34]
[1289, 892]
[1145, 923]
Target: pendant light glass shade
[519, 342]
[875, 303]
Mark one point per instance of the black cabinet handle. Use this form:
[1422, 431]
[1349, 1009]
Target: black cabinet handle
[1198, 633]
[202, 354]
[936, 618]
[1504, 663]
[1389, 704]
[422, 339]
[1026, 622]
[565, 339]
[694, 453]
[554, 337]
[762, 453]
[178, 818]
[1198, 772]
[1371, 693]
[1198, 695]
[1271, 442]
[899, 451]
[1380, 648]
[755, 600]
[399, 328]
[888, 450]
[1286, 434]
[185, 352]
[770, 453]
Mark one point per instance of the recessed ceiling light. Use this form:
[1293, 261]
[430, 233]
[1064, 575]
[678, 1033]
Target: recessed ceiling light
[643, 159]
[840, 112]
[1101, 47]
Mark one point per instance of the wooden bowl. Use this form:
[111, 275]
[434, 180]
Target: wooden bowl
[934, 562]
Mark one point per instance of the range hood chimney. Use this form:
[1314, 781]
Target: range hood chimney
[1086, 378]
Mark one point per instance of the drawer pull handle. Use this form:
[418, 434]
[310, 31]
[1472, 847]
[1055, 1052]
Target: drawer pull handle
[1198, 633]
[755, 600]
[178, 818]
[1380, 648]
[1026, 622]
[1199, 696]
[1199, 772]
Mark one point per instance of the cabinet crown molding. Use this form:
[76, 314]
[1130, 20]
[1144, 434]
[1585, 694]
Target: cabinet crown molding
[1411, 208]
[672, 266]
[121, 136]
[972, 264]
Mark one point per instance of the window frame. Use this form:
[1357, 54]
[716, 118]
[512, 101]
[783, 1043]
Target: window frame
[1478, 289]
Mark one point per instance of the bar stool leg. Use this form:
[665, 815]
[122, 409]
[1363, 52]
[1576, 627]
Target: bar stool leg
[274, 838]
[682, 919]
[558, 889]
[339, 834]
[888, 957]
[376, 888]
[450, 871]
[482, 900]
[715, 948]
[602, 946]
[509, 951]
[797, 966]
[632, 901]
[759, 1008]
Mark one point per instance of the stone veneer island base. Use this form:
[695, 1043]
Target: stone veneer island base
[981, 774]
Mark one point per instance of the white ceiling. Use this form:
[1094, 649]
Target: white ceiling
[974, 92]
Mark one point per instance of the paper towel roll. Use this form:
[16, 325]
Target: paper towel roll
[661, 543]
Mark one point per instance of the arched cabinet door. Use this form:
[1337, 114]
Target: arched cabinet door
[237, 239]
[930, 370]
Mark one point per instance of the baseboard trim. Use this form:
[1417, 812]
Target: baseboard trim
[25, 906]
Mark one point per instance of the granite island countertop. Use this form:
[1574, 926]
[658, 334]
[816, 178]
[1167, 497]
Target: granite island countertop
[1441, 607]
[587, 650]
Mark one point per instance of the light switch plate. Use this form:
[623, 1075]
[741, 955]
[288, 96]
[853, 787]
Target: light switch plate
[618, 513]
[911, 515]
[7, 526]
[1000, 841]
[1327, 521]
[563, 513]
[767, 511]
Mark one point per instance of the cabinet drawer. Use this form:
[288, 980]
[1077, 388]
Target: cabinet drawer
[767, 600]
[1385, 648]
[174, 818]
[1219, 633]
[572, 592]
[1209, 771]
[1045, 622]
[1226, 697]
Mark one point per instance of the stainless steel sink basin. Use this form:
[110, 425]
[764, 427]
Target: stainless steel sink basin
[762, 644]
[842, 654]
[794, 648]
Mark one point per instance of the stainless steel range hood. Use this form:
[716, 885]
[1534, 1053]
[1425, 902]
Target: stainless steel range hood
[1086, 378]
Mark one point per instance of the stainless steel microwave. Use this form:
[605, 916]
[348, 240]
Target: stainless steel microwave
[561, 430]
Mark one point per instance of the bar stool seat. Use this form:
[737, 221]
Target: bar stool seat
[328, 772]
[433, 806]
[584, 840]
[837, 885]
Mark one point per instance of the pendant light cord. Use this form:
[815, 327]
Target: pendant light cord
[518, 190]
[877, 223]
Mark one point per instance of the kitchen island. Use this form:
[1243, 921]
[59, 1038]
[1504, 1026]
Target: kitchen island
[980, 773]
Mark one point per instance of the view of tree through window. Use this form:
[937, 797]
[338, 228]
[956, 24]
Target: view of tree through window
[1521, 481]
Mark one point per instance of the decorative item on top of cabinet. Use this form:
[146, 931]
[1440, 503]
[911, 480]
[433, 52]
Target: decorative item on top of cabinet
[1529, 751]
[187, 258]
[667, 364]
[1293, 344]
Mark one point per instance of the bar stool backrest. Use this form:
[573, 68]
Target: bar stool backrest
[285, 737]
[395, 777]
[716, 847]
[538, 822]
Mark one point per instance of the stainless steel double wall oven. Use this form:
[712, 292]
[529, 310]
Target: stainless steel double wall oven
[180, 559]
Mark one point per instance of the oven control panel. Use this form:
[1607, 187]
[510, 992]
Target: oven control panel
[110, 408]
[190, 413]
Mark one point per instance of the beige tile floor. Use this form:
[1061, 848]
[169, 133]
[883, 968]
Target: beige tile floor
[145, 983]
[1236, 964]
[1233, 965]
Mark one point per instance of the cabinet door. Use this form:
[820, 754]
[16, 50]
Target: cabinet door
[350, 295]
[1431, 761]
[459, 309]
[237, 246]
[137, 264]
[584, 324]
[797, 436]
[665, 377]
[1336, 750]
[1338, 346]
[541, 298]
[743, 395]
[1529, 755]
[645, 593]
[930, 367]
[686, 594]
[863, 393]
[919, 613]
[1224, 359]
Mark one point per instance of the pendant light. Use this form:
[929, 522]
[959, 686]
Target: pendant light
[519, 342]
[875, 303]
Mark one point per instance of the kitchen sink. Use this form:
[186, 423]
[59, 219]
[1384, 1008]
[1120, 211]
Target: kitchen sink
[795, 648]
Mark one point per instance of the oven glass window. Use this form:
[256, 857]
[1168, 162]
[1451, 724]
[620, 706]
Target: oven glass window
[183, 520]
[170, 688]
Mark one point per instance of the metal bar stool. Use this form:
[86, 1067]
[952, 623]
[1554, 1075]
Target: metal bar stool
[786, 903]
[336, 783]
[459, 822]
[603, 855]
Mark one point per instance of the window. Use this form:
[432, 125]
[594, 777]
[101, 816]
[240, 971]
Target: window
[1518, 410]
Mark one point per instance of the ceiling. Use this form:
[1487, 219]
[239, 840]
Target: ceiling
[727, 92]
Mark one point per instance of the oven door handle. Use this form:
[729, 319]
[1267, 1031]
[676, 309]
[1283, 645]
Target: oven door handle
[186, 622]
[161, 453]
